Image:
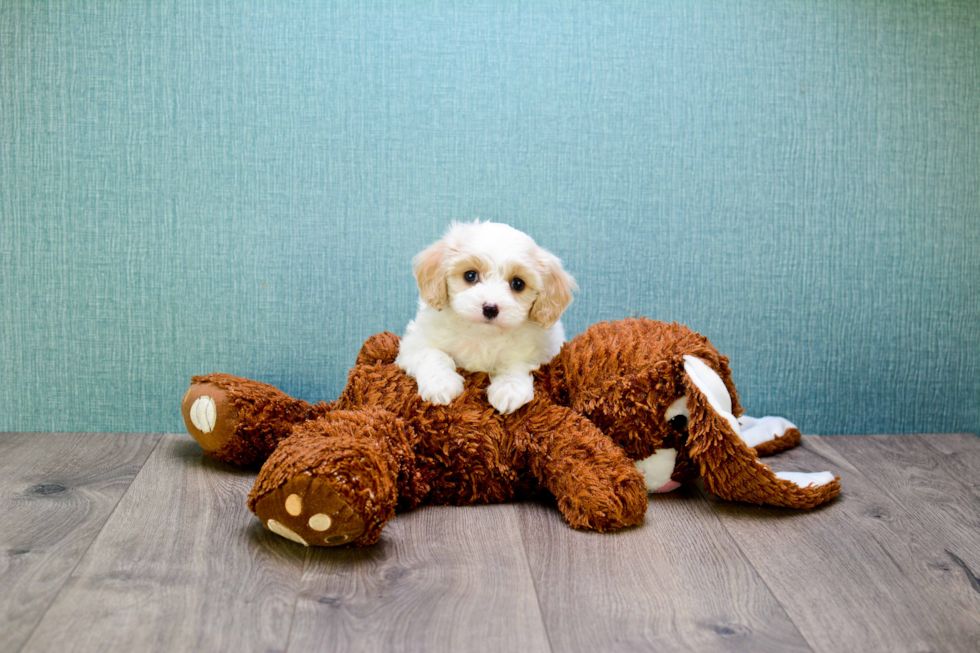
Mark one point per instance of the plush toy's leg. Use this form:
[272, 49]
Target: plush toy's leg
[596, 484]
[336, 479]
[240, 421]
[729, 468]
[768, 435]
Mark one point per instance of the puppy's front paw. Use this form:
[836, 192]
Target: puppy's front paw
[441, 388]
[509, 394]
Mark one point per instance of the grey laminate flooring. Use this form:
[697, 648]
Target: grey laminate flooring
[139, 543]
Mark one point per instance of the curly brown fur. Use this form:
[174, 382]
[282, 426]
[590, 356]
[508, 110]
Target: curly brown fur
[460, 458]
[379, 348]
[252, 417]
[472, 454]
[623, 375]
[363, 456]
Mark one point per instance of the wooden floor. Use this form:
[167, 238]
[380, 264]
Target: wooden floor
[139, 543]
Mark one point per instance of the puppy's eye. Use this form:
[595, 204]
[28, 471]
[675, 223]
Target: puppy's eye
[471, 276]
[678, 423]
[517, 284]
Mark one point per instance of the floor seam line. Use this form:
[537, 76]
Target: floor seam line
[88, 548]
[702, 493]
[534, 583]
[292, 613]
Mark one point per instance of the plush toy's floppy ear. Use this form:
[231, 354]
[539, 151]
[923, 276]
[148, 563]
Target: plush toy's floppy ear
[431, 276]
[729, 467]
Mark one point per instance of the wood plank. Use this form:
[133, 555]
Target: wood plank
[935, 479]
[864, 572]
[678, 582]
[440, 579]
[960, 455]
[56, 492]
[181, 565]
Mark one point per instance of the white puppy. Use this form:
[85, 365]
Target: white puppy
[490, 300]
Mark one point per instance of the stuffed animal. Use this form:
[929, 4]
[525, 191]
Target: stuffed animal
[624, 409]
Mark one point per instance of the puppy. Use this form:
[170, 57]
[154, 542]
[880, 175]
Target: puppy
[490, 300]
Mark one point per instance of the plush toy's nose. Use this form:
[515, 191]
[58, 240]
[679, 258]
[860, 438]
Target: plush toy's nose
[490, 311]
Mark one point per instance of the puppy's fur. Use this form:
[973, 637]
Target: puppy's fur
[473, 315]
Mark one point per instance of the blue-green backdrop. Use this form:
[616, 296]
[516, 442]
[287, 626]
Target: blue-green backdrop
[231, 186]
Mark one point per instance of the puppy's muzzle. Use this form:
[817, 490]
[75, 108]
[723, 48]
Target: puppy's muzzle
[490, 311]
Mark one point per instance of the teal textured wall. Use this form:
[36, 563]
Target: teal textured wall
[189, 187]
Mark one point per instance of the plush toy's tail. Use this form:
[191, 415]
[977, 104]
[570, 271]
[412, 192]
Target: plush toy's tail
[729, 467]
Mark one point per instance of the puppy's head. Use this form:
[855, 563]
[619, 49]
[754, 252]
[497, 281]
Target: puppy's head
[493, 274]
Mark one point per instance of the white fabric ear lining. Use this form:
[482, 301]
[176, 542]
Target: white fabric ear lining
[713, 388]
[804, 479]
[755, 431]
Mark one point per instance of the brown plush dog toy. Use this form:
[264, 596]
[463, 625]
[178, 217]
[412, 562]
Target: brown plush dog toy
[625, 408]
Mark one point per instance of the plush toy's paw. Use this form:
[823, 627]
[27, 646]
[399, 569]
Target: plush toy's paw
[307, 510]
[334, 481]
[209, 415]
[440, 388]
[509, 393]
[238, 420]
[605, 504]
[768, 435]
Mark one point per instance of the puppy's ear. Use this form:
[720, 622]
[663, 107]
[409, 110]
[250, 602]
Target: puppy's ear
[729, 467]
[431, 276]
[556, 293]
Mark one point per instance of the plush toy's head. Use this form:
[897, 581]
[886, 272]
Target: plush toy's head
[644, 406]
[666, 396]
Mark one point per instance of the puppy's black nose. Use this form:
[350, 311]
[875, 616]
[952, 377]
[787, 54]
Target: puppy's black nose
[490, 311]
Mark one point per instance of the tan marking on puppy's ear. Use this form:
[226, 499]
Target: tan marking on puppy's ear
[729, 467]
[431, 275]
[556, 292]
